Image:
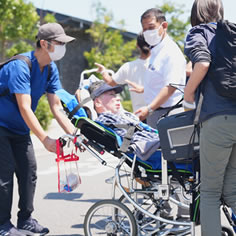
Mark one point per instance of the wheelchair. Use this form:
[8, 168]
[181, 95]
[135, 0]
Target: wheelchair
[159, 196]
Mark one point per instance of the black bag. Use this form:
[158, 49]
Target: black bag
[16, 57]
[223, 66]
[28, 62]
[179, 136]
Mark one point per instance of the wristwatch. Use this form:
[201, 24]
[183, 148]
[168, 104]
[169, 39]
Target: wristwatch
[150, 111]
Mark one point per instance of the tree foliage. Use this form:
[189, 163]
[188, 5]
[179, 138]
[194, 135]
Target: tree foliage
[109, 48]
[177, 26]
[18, 25]
[43, 112]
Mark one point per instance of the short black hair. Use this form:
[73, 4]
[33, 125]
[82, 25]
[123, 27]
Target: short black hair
[206, 11]
[157, 13]
[95, 85]
[38, 44]
[142, 44]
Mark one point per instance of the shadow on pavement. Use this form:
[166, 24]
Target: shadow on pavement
[78, 226]
[91, 200]
[69, 197]
[65, 235]
[64, 196]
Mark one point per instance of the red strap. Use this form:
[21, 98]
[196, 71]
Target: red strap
[66, 158]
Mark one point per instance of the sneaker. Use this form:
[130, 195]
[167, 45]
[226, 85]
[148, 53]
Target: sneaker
[8, 229]
[31, 227]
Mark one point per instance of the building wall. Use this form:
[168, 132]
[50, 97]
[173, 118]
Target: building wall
[73, 63]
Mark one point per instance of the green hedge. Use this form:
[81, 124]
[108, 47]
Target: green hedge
[127, 105]
[43, 112]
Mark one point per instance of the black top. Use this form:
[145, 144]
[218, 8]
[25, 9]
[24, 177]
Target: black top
[199, 47]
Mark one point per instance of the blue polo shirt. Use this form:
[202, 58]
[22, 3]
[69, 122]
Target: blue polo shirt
[17, 77]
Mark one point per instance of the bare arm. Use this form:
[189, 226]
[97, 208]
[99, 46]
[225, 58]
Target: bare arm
[199, 71]
[56, 109]
[161, 98]
[135, 87]
[24, 104]
[105, 75]
[189, 69]
[77, 95]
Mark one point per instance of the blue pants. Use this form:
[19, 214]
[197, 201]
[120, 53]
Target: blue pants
[16, 157]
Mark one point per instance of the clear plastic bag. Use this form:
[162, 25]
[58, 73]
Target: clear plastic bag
[67, 164]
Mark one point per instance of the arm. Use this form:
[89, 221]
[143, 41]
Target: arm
[105, 75]
[77, 95]
[199, 71]
[161, 98]
[24, 104]
[135, 87]
[197, 50]
[56, 108]
[189, 69]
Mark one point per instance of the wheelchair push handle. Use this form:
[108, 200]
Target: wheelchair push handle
[92, 71]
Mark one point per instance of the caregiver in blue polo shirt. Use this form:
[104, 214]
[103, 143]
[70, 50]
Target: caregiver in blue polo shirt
[25, 86]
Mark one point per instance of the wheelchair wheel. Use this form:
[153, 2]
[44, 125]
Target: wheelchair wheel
[144, 200]
[110, 218]
[227, 232]
[146, 225]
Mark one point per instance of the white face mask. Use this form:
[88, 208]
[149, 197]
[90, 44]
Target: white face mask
[59, 52]
[152, 37]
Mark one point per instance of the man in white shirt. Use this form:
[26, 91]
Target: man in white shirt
[167, 66]
[132, 71]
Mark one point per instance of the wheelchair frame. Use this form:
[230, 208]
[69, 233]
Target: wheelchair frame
[161, 193]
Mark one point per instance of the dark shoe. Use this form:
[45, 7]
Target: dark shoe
[8, 229]
[31, 227]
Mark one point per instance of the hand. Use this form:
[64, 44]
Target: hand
[50, 144]
[135, 87]
[101, 67]
[142, 113]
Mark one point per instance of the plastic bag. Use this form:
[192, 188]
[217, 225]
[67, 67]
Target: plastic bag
[68, 173]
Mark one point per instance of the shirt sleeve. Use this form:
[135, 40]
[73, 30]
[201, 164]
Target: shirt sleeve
[196, 45]
[54, 83]
[122, 74]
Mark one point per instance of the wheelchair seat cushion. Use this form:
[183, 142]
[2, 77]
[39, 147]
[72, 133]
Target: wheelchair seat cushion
[154, 163]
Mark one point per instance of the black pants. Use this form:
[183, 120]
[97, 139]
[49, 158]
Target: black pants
[16, 156]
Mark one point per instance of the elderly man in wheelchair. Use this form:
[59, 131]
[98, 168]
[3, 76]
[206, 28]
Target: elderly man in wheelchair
[156, 186]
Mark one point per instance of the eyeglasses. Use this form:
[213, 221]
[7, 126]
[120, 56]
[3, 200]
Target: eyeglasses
[54, 42]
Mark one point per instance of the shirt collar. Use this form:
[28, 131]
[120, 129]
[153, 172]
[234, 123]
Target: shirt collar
[160, 45]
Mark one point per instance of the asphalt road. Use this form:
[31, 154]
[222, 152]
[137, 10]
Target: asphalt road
[63, 213]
